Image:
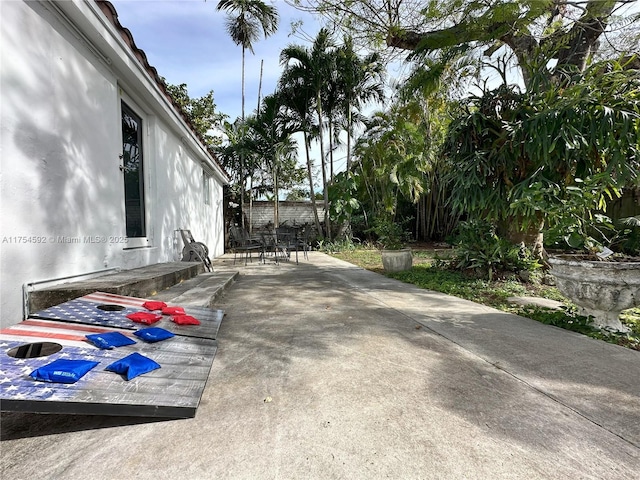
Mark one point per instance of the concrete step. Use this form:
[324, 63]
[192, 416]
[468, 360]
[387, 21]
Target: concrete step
[141, 282]
[201, 291]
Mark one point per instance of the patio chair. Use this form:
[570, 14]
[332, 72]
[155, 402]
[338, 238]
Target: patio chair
[304, 240]
[241, 243]
[195, 251]
[288, 241]
[271, 245]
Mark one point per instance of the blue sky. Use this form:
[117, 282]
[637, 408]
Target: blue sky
[186, 41]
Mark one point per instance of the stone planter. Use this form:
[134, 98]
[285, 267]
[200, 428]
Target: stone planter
[397, 260]
[601, 289]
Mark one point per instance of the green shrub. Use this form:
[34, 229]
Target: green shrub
[391, 235]
[345, 245]
[479, 248]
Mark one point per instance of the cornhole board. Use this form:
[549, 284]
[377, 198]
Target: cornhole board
[96, 309]
[172, 391]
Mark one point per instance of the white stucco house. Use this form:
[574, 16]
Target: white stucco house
[98, 168]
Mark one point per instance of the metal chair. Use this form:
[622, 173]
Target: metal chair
[305, 240]
[271, 245]
[288, 241]
[240, 242]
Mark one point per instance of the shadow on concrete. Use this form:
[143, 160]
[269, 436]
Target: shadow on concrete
[483, 366]
[17, 425]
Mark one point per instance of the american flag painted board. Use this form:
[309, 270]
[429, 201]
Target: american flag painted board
[172, 391]
[86, 310]
[83, 311]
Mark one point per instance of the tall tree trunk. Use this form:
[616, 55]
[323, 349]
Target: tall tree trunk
[243, 55]
[251, 181]
[331, 175]
[276, 213]
[331, 178]
[584, 34]
[531, 236]
[242, 179]
[251, 205]
[345, 228]
[349, 131]
[323, 163]
[312, 193]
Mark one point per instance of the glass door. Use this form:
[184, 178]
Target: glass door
[132, 167]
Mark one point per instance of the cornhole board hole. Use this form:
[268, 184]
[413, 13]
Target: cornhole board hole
[172, 391]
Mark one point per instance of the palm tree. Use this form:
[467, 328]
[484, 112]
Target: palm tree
[298, 102]
[245, 20]
[355, 81]
[310, 68]
[271, 141]
[235, 155]
[361, 82]
[392, 156]
[332, 98]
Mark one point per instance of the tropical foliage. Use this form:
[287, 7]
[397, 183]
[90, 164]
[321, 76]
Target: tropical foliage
[556, 153]
[246, 19]
[270, 142]
[201, 112]
[395, 164]
[234, 153]
[551, 136]
[390, 233]
[391, 156]
[554, 149]
[480, 249]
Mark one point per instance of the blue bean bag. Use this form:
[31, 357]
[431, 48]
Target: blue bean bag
[153, 334]
[63, 371]
[109, 340]
[133, 365]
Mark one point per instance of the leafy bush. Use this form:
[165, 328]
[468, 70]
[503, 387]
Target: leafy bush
[346, 245]
[627, 237]
[621, 236]
[391, 234]
[478, 247]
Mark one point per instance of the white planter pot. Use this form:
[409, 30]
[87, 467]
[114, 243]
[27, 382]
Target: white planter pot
[600, 289]
[397, 260]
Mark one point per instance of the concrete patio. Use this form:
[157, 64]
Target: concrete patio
[328, 371]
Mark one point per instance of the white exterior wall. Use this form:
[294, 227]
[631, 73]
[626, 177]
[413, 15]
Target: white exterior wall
[64, 72]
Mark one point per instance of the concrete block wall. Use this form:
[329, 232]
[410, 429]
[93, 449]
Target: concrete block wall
[289, 213]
